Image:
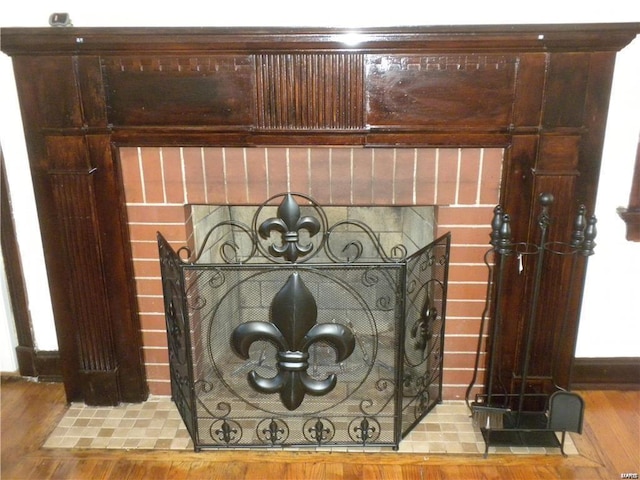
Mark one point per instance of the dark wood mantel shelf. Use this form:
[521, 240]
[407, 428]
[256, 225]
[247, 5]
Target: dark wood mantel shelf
[541, 92]
[467, 38]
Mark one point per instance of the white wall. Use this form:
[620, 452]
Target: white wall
[8, 338]
[610, 311]
[610, 318]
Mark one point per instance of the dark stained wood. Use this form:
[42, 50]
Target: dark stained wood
[539, 91]
[80, 210]
[606, 373]
[40, 107]
[118, 270]
[463, 38]
[607, 447]
[15, 280]
[445, 91]
[529, 94]
[73, 188]
[209, 90]
[631, 214]
[567, 82]
[31, 362]
[299, 91]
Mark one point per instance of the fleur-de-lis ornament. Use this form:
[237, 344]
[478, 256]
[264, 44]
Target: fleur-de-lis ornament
[422, 329]
[226, 433]
[288, 224]
[293, 329]
[319, 432]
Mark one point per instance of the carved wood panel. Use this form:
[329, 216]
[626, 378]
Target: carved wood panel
[446, 91]
[310, 91]
[72, 186]
[180, 90]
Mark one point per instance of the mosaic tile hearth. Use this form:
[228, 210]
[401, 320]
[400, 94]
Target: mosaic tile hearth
[156, 425]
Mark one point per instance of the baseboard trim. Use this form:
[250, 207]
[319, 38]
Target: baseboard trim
[617, 373]
[44, 365]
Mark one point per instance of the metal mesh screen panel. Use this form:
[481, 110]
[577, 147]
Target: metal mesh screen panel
[425, 293]
[266, 354]
[363, 298]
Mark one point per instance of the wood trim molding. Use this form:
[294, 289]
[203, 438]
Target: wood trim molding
[44, 365]
[463, 38]
[606, 373]
[631, 214]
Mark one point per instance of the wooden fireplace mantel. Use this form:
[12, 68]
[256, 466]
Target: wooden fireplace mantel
[539, 91]
[440, 39]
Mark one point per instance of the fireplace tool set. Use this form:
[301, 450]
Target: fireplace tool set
[289, 331]
[507, 419]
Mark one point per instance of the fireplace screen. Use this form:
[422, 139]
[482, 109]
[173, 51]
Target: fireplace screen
[290, 331]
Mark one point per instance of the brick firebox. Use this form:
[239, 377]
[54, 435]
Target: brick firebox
[464, 185]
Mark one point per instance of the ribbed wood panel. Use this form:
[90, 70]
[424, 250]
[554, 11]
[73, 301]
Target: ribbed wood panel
[72, 193]
[310, 91]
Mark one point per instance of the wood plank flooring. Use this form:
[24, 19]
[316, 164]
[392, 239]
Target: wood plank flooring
[609, 447]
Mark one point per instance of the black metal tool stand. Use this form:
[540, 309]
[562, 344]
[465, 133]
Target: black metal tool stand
[563, 410]
[564, 414]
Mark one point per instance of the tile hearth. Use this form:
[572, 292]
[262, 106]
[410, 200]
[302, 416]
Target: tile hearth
[156, 425]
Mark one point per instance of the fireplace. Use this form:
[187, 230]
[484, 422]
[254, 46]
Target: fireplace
[299, 327]
[97, 101]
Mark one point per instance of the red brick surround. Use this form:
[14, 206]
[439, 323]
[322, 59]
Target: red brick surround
[464, 184]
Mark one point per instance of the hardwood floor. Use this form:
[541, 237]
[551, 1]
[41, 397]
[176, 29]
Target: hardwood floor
[609, 446]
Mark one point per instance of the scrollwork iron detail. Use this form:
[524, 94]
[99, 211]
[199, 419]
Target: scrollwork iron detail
[272, 431]
[353, 250]
[225, 431]
[364, 430]
[288, 223]
[252, 368]
[422, 329]
[318, 430]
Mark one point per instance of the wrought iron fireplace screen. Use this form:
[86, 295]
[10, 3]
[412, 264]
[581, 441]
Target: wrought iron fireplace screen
[292, 333]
